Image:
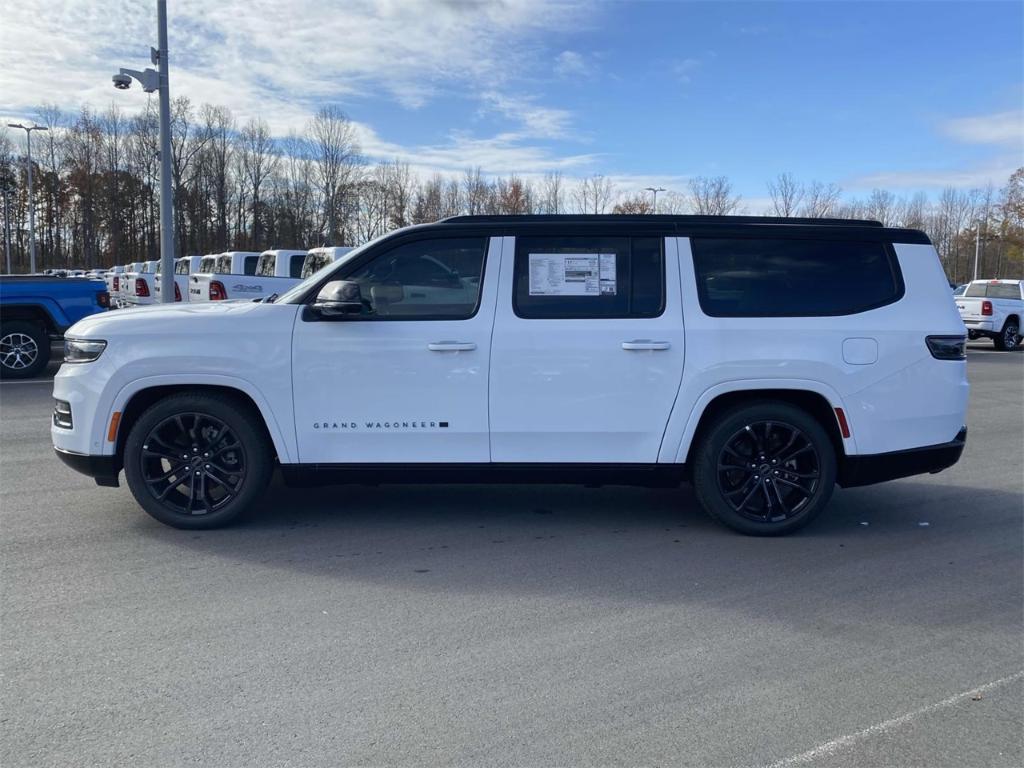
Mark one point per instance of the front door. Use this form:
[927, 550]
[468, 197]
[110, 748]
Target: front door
[587, 355]
[405, 381]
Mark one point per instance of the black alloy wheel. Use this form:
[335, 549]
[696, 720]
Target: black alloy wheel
[198, 460]
[765, 468]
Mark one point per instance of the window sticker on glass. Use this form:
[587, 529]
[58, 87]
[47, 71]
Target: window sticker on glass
[572, 274]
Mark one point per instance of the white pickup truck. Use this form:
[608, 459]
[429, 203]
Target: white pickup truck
[318, 258]
[229, 277]
[993, 308]
[112, 277]
[184, 266]
[137, 288]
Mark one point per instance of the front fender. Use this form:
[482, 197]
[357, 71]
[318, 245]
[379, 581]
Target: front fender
[284, 447]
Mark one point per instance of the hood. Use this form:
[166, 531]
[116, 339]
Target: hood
[162, 319]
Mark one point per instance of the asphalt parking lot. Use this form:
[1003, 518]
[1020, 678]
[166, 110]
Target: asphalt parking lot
[518, 626]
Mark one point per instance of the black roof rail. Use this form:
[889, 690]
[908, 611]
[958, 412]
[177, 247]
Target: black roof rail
[660, 218]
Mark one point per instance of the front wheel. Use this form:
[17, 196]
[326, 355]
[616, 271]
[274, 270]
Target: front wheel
[197, 460]
[24, 349]
[1009, 338]
[765, 469]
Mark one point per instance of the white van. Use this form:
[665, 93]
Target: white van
[764, 360]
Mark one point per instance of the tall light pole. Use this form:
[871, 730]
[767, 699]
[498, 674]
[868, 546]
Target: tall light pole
[654, 191]
[153, 80]
[977, 246]
[31, 207]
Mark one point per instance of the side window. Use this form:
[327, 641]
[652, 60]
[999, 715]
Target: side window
[793, 278]
[181, 267]
[249, 265]
[295, 264]
[266, 264]
[428, 279]
[589, 277]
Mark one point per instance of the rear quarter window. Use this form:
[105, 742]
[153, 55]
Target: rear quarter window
[266, 265]
[793, 278]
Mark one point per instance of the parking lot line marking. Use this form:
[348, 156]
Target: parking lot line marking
[829, 748]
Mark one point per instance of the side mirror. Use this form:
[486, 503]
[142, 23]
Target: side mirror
[339, 298]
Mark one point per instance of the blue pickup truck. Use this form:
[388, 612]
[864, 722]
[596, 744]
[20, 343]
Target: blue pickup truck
[37, 309]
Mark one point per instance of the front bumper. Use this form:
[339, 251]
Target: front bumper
[879, 467]
[103, 469]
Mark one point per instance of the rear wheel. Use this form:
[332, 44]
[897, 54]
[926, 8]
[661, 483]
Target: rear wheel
[1009, 338]
[765, 469]
[24, 349]
[197, 460]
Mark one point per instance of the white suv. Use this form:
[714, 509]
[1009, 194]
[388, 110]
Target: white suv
[765, 360]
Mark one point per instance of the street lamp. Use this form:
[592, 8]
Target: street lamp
[157, 80]
[31, 208]
[655, 191]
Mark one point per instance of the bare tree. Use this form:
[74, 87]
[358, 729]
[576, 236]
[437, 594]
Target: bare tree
[475, 191]
[594, 194]
[258, 157]
[712, 196]
[786, 194]
[336, 151]
[552, 193]
[820, 200]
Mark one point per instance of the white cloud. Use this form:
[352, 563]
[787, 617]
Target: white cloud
[1005, 128]
[535, 121]
[964, 178]
[297, 52]
[572, 65]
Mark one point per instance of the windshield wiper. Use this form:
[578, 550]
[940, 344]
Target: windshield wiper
[271, 298]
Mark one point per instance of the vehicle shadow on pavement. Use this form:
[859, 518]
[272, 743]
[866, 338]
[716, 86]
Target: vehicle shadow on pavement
[876, 544]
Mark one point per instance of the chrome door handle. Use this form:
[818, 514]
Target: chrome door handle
[638, 344]
[451, 346]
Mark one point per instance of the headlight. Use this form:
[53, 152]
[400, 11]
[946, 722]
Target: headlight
[83, 350]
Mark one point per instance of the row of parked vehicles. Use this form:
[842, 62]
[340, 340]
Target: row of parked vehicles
[218, 276]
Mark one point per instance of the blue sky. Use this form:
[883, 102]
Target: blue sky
[905, 95]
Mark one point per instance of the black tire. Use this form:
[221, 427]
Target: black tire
[206, 454]
[1008, 339]
[24, 349]
[778, 468]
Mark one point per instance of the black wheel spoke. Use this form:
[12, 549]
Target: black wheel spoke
[183, 466]
[768, 471]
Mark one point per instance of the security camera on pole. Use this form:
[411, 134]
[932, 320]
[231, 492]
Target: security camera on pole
[154, 80]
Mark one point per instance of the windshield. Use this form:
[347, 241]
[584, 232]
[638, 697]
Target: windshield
[294, 296]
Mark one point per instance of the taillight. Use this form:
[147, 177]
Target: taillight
[986, 307]
[141, 287]
[103, 299]
[217, 292]
[117, 283]
[947, 347]
[177, 291]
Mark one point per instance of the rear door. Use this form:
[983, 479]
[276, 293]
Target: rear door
[587, 352]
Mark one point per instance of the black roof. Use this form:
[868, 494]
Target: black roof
[692, 226]
[664, 219]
